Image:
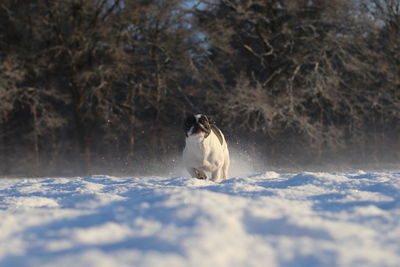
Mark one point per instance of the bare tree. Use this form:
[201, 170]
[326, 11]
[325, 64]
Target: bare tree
[103, 85]
[305, 71]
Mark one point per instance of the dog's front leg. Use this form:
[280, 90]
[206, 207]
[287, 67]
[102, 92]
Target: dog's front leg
[217, 175]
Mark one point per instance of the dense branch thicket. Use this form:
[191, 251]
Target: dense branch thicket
[320, 76]
[103, 86]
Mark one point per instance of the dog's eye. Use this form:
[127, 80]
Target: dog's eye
[203, 120]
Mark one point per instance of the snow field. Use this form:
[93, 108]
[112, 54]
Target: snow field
[265, 219]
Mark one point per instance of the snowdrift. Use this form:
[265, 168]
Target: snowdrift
[266, 219]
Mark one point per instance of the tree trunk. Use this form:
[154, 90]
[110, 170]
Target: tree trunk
[35, 139]
[81, 131]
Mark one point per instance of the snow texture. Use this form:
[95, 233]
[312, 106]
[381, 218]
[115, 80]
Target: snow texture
[265, 219]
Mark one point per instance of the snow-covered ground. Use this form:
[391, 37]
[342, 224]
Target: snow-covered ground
[265, 219]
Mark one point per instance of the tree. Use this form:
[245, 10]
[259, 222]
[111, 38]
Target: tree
[303, 71]
[96, 72]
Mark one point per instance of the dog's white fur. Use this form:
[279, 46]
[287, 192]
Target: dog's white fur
[206, 154]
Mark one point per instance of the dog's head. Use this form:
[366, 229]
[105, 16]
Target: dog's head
[197, 124]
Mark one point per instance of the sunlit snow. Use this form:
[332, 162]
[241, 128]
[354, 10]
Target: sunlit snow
[263, 219]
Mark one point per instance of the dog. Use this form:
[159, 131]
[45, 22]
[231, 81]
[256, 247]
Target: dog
[206, 149]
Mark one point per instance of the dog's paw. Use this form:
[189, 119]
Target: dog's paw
[200, 174]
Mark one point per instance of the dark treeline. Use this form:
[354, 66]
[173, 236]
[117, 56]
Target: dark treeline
[103, 86]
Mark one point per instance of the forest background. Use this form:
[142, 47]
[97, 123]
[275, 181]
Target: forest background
[103, 86]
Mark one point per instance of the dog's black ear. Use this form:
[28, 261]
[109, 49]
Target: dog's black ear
[210, 120]
[206, 125]
[189, 120]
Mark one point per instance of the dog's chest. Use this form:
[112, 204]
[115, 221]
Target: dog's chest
[195, 151]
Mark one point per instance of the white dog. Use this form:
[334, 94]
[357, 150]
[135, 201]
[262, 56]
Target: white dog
[206, 149]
